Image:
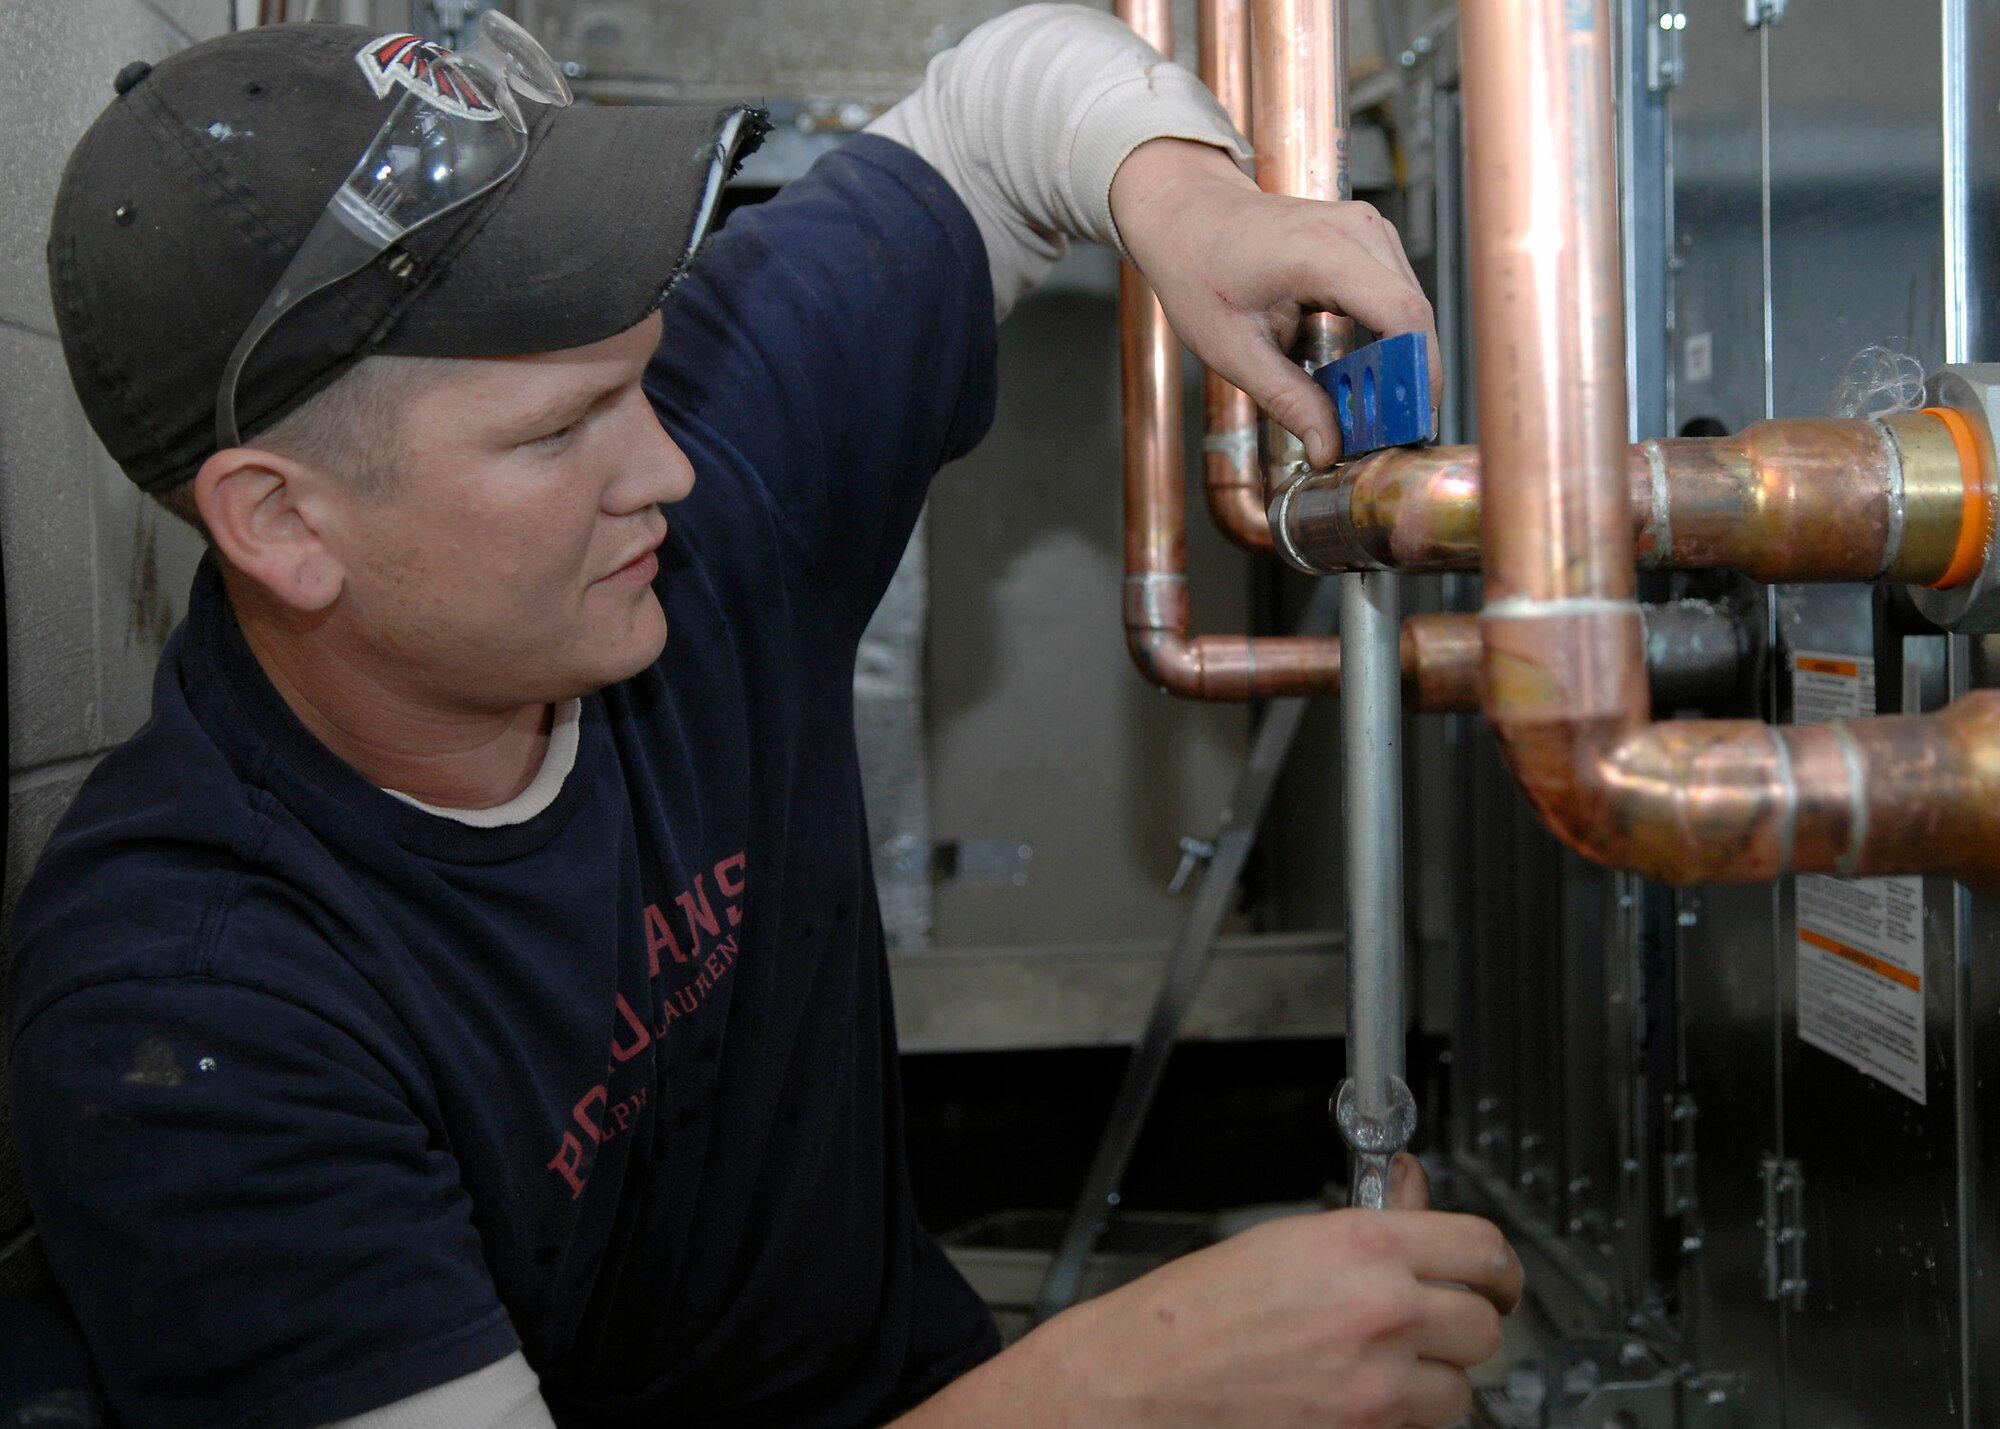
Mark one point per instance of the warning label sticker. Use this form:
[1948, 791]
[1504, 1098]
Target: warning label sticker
[1861, 941]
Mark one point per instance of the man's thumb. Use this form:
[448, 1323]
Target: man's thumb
[1409, 1186]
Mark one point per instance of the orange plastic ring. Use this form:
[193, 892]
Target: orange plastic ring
[1973, 524]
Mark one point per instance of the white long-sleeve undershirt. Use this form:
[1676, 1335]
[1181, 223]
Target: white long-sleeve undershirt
[1028, 121]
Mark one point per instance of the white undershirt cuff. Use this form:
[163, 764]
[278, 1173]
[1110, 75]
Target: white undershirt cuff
[557, 761]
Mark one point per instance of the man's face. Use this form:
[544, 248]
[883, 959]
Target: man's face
[511, 561]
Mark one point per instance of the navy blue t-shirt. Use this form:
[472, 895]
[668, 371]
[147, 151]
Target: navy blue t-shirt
[323, 1100]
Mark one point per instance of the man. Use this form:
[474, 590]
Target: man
[464, 1002]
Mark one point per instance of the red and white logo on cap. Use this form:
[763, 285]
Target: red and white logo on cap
[425, 69]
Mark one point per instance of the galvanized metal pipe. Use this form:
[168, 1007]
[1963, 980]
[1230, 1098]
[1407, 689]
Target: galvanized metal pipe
[1373, 1109]
[1299, 55]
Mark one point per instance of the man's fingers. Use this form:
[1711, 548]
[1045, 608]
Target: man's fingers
[1440, 1394]
[1456, 1327]
[1292, 399]
[1352, 280]
[1459, 1250]
[1371, 280]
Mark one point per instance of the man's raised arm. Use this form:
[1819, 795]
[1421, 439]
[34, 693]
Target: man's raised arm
[1056, 122]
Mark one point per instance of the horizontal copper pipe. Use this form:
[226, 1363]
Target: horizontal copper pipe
[1563, 679]
[1232, 481]
[1793, 500]
[1695, 654]
[1440, 655]
[1739, 801]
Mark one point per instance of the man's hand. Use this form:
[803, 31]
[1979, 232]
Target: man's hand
[1347, 1320]
[1234, 268]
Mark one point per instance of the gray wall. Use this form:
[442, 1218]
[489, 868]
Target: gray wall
[1040, 729]
[95, 575]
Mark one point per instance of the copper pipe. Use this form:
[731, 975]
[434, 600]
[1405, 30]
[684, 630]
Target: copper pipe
[1440, 655]
[1299, 122]
[1563, 675]
[1695, 652]
[1794, 500]
[1300, 86]
[1209, 667]
[1234, 486]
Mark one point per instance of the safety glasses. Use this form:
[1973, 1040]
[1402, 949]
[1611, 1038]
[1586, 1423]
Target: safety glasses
[456, 132]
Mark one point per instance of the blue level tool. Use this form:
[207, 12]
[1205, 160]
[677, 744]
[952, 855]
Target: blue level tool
[1383, 395]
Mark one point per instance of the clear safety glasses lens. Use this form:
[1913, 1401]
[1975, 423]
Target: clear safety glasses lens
[445, 144]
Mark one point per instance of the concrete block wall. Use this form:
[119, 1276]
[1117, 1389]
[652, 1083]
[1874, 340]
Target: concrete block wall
[96, 575]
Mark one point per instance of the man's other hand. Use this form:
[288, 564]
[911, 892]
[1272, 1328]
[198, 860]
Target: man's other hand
[1342, 1320]
[1235, 267]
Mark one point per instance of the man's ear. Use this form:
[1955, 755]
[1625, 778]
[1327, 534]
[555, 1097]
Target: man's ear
[268, 515]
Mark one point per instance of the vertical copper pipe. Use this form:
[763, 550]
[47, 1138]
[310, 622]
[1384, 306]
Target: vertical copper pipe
[1299, 122]
[1300, 87]
[1544, 218]
[1212, 667]
[1233, 483]
[1563, 678]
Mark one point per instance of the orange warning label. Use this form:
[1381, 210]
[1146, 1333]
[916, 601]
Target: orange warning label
[1820, 666]
[1861, 959]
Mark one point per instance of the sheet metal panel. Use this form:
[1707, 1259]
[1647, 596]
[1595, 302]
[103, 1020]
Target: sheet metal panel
[1729, 1006]
[1857, 258]
[1489, 978]
[1812, 213]
[1971, 179]
[1726, 957]
[1879, 1326]
[1717, 347]
[1856, 175]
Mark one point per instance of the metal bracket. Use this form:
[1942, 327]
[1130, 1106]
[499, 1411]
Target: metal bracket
[452, 23]
[1489, 1128]
[1666, 58]
[983, 860]
[1595, 1381]
[1677, 1188]
[1194, 853]
[1784, 1228]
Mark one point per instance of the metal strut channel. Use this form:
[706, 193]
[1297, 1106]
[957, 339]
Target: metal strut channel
[1185, 967]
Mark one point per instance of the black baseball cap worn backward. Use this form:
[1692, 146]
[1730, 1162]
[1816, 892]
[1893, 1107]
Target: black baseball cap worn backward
[183, 204]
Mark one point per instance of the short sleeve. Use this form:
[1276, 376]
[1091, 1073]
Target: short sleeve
[250, 1221]
[837, 340]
